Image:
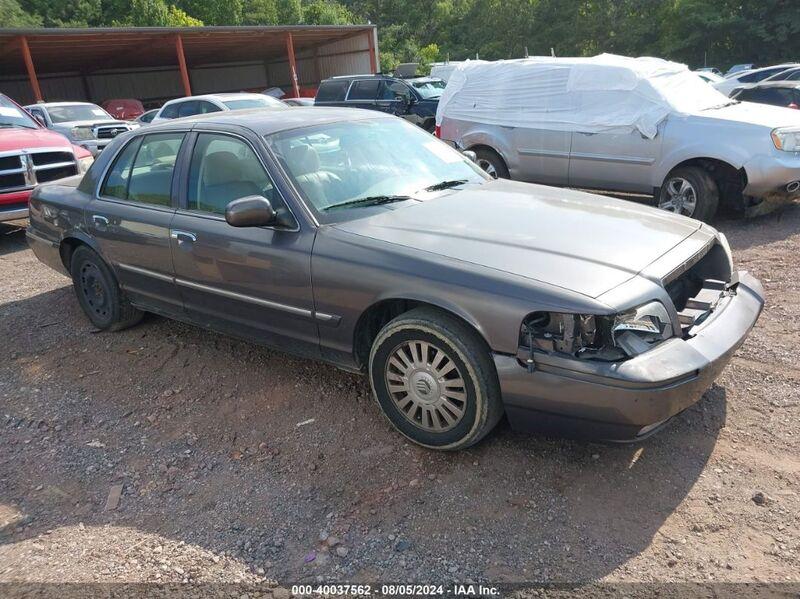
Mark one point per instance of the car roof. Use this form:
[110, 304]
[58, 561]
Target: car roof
[787, 84]
[264, 121]
[220, 97]
[54, 104]
[787, 66]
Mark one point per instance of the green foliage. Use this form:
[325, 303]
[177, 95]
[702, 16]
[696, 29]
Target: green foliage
[722, 31]
[12, 15]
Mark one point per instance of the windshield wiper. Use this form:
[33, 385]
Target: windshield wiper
[446, 185]
[369, 201]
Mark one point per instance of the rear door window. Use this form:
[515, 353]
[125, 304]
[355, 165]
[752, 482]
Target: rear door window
[189, 108]
[332, 91]
[364, 90]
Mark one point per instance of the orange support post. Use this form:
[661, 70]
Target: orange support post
[292, 65]
[373, 62]
[187, 88]
[26, 55]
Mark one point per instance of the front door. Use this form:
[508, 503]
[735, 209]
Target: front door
[620, 161]
[254, 282]
[131, 217]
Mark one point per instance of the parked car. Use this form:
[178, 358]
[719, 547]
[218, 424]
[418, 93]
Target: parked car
[147, 117]
[637, 126]
[29, 155]
[193, 105]
[709, 77]
[126, 109]
[785, 94]
[738, 68]
[788, 75]
[356, 238]
[298, 101]
[750, 78]
[413, 99]
[83, 123]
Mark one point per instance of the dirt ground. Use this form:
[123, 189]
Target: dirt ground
[237, 464]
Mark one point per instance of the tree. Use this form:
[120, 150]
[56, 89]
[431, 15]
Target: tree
[290, 12]
[64, 13]
[259, 12]
[322, 12]
[12, 15]
[157, 13]
[214, 12]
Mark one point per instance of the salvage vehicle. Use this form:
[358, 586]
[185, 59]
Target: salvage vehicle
[781, 93]
[29, 155]
[414, 99]
[753, 77]
[622, 125]
[359, 239]
[84, 124]
[194, 105]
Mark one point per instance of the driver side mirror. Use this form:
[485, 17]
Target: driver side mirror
[39, 119]
[470, 155]
[252, 211]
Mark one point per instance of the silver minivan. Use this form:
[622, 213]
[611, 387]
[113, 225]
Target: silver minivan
[634, 126]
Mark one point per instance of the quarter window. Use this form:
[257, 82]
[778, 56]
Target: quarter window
[171, 111]
[143, 170]
[224, 169]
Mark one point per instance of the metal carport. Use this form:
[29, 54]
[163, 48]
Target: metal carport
[157, 63]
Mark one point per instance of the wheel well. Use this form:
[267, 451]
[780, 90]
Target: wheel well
[730, 180]
[67, 248]
[374, 318]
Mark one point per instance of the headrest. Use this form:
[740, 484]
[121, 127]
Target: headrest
[221, 167]
[303, 159]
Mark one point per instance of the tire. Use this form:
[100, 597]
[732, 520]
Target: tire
[689, 191]
[456, 361]
[492, 163]
[99, 294]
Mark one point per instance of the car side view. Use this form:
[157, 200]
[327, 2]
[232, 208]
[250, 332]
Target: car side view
[356, 238]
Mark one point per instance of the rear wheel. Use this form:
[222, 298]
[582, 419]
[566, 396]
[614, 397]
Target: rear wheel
[690, 191]
[98, 292]
[434, 379]
[492, 163]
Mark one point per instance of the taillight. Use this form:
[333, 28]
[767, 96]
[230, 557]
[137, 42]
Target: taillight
[438, 130]
[793, 105]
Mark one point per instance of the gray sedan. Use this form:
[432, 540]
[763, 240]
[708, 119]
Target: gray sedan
[358, 239]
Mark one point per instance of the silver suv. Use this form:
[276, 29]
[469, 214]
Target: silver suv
[624, 126]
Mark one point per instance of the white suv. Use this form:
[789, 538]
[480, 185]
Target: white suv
[192, 105]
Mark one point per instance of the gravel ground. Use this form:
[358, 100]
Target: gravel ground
[165, 453]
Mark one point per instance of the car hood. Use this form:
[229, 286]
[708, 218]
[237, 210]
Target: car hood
[19, 138]
[70, 124]
[582, 242]
[756, 114]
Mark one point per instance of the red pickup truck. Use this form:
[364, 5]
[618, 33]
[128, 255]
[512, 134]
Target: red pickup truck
[29, 155]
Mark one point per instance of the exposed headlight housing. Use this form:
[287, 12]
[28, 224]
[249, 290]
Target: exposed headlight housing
[605, 338]
[84, 164]
[82, 133]
[787, 139]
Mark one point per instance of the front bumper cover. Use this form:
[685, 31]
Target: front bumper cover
[624, 401]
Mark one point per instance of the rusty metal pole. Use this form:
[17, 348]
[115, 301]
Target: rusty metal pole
[373, 62]
[26, 55]
[292, 65]
[187, 88]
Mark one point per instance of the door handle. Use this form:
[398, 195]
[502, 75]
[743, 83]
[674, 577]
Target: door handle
[100, 221]
[183, 236]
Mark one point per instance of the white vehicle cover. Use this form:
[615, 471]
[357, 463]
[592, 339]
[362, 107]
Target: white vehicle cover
[589, 95]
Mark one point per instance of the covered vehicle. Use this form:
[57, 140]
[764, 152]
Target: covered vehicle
[640, 126]
[126, 109]
[29, 155]
[357, 238]
[83, 123]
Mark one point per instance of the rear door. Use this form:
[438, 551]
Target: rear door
[254, 282]
[363, 93]
[332, 92]
[130, 219]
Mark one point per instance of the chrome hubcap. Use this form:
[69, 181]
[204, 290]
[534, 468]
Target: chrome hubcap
[488, 167]
[426, 386]
[680, 198]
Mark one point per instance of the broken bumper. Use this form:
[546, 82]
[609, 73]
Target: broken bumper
[628, 400]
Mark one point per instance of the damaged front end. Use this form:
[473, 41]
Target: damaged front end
[694, 291]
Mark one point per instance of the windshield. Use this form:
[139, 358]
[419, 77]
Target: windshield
[355, 165]
[12, 115]
[66, 113]
[244, 103]
[429, 88]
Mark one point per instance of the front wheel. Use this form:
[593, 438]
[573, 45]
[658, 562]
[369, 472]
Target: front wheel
[492, 163]
[690, 191]
[434, 379]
